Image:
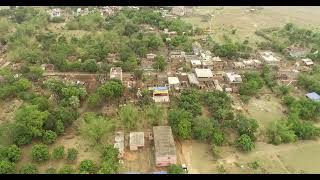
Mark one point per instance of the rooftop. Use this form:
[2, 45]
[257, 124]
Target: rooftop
[313, 96]
[193, 79]
[233, 77]
[307, 61]
[195, 62]
[203, 73]
[137, 139]
[173, 80]
[163, 141]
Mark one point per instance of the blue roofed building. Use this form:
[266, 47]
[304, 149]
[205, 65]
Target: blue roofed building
[313, 96]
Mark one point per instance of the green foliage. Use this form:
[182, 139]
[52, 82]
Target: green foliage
[155, 114]
[42, 102]
[252, 83]
[110, 163]
[89, 22]
[202, 128]
[244, 143]
[246, 126]
[49, 137]
[88, 166]
[66, 169]
[219, 105]
[7, 167]
[96, 127]
[40, 152]
[58, 153]
[279, 132]
[72, 154]
[218, 137]
[254, 165]
[129, 115]
[94, 100]
[90, 65]
[189, 100]
[13, 153]
[159, 63]
[51, 170]
[32, 119]
[269, 79]
[111, 89]
[35, 73]
[180, 122]
[175, 169]
[284, 90]
[29, 169]
[304, 130]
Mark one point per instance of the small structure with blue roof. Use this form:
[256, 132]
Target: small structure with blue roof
[313, 96]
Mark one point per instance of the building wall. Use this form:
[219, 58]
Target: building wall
[166, 160]
[204, 79]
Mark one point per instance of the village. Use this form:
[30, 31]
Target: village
[168, 71]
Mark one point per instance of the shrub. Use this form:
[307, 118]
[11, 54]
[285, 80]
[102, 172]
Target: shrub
[88, 166]
[49, 137]
[175, 169]
[72, 154]
[7, 167]
[51, 170]
[244, 143]
[13, 153]
[40, 152]
[58, 152]
[66, 169]
[29, 169]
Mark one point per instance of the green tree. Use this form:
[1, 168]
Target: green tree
[155, 114]
[72, 154]
[94, 100]
[110, 163]
[13, 153]
[180, 121]
[159, 63]
[58, 153]
[49, 137]
[66, 169]
[40, 152]
[175, 169]
[35, 73]
[90, 66]
[29, 169]
[246, 126]
[96, 127]
[7, 167]
[32, 119]
[111, 89]
[190, 101]
[88, 166]
[129, 115]
[202, 128]
[244, 143]
[279, 132]
[42, 103]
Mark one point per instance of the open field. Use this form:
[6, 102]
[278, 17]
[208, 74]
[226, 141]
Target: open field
[246, 22]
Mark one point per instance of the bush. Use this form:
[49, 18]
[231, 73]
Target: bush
[51, 170]
[13, 153]
[49, 137]
[278, 132]
[244, 143]
[175, 169]
[40, 152]
[88, 166]
[72, 154]
[66, 169]
[7, 167]
[218, 138]
[29, 169]
[58, 152]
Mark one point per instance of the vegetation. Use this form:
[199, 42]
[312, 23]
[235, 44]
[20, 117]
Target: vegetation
[88, 166]
[252, 83]
[129, 115]
[58, 152]
[244, 143]
[110, 163]
[72, 154]
[49, 137]
[180, 122]
[29, 169]
[175, 169]
[40, 152]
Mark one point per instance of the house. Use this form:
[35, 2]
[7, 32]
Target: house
[206, 55]
[298, 52]
[207, 64]
[269, 58]
[56, 12]
[168, 39]
[116, 73]
[177, 55]
[307, 62]
[216, 59]
[151, 56]
[313, 96]
[188, 58]
[233, 78]
[239, 65]
[252, 63]
[193, 79]
[165, 148]
[195, 63]
[173, 82]
[217, 85]
[119, 143]
[196, 48]
[136, 140]
[204, 74]
[178, 10]
[160, 94]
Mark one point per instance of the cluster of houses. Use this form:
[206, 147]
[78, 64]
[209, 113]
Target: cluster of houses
[162, 137]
